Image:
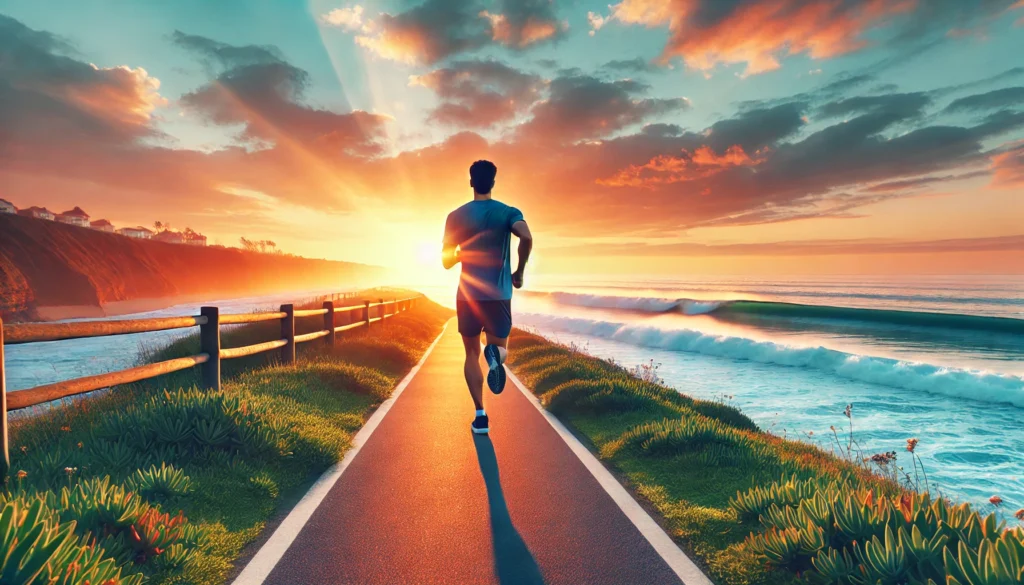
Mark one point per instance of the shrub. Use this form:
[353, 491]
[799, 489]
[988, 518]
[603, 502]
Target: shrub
[192, 421]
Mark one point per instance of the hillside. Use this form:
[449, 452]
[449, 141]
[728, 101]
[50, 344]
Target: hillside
[46, 265]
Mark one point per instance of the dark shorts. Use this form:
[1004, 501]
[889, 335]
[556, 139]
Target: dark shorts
[494, 317]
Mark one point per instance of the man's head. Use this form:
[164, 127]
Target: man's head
[481, 176]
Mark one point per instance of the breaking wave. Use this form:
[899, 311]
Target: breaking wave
[956, 382]
[727, 308]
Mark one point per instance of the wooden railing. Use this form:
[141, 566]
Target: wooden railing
[208, 359]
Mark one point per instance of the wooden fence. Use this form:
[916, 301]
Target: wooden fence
[208, 359]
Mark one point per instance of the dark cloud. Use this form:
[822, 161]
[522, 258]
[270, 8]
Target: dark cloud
[899, 105]
[636, 65]
[993, 100]
[436, 29]
[583, 107]
[662, 130]
[479, 94]
[755, 129]
[265, 94]
[227, 56]
[431, 31]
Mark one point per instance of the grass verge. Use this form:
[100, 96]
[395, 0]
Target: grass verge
[164, 483]
[757, 509]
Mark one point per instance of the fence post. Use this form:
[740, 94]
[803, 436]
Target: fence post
[5, 461]
[366, 315]
[209, 343]
[288, 334]
[329, 323]
[381, 310]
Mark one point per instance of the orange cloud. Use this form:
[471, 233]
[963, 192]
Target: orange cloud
[667, 169]
[532, 31]
[759, 32]
[1008, 167]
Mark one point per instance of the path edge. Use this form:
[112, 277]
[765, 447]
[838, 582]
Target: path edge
[266, 558]
[677, 560]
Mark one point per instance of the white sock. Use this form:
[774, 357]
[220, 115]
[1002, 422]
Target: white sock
[481, 412]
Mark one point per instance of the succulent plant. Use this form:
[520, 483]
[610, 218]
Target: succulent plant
[154, 531]
[832, 567]
[995, 562]
[881, 561]
[160, 483]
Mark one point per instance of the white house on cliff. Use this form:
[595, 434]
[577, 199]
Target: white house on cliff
[38, 213]
[136, 232]
[74, 217]
[7, 207]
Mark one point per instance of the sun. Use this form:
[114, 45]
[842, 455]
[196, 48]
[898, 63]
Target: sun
[428, 254]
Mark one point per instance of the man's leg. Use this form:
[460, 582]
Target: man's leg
[501, 342]
[474, 375]
[497, 327]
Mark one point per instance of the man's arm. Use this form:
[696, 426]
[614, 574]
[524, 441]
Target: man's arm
[522, 231]
[449, 256]
[449, 247]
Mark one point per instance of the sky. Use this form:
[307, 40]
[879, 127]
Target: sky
[667, 137]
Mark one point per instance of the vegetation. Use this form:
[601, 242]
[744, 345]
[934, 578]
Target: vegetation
[755, 508]
[166, 483]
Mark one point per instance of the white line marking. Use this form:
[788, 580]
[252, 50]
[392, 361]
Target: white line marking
[676, 559]
[270, 553]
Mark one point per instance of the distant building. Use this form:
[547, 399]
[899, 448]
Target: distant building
[169, 237]
[38, 213]
[74, 217]
[7, 207]
[194, 239]
[102, 225]
[136, 232]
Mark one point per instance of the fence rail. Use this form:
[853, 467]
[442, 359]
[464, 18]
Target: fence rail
[208, 359]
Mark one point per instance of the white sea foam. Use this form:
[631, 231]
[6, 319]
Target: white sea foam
[961, 383]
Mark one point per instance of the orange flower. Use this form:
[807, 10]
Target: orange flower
[911, 444]
[22, 474]
[995, 500]
[66, 429]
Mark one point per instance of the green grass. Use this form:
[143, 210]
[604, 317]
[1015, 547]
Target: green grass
[696, 462]
[248, 452]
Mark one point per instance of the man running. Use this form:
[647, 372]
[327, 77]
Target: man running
[478, 235]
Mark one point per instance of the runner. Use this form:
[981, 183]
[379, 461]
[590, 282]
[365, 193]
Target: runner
[479, 235]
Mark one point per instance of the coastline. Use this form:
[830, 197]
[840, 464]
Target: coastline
[116, 308]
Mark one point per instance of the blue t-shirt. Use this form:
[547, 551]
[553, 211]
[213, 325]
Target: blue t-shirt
[483, 232]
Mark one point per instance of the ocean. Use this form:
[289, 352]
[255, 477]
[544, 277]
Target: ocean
[940, 359]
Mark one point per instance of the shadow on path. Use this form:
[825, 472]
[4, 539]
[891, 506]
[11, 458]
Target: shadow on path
[513, 561]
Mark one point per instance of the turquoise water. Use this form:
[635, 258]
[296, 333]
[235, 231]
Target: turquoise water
[937, 359]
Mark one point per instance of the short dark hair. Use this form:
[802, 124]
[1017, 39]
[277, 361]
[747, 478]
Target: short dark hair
[483, 172]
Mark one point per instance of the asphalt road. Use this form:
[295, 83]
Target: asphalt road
[426, 501]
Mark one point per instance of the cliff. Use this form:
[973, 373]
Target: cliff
[46, 265]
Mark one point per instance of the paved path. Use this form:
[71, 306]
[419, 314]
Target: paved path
[425, 501]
